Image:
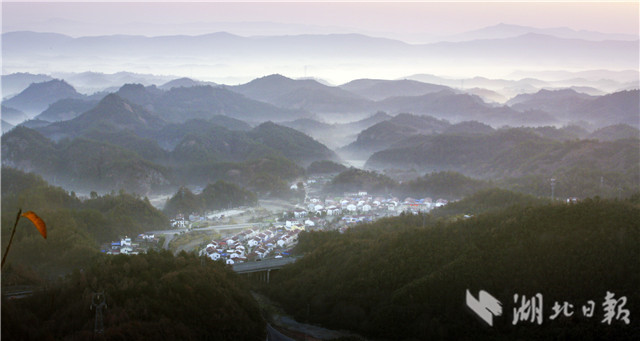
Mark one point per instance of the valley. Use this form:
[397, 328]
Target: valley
[302, 179]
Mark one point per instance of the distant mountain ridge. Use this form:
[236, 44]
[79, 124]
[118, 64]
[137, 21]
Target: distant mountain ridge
[512, 52]
[13, 116]
[66, 109]
[111, 113]
[13, 84]
[510, 153]
[378, 89]
[503, 30]
[183, 83]
[81, 163]
[38, 96]
[384, 134]
[307, 94]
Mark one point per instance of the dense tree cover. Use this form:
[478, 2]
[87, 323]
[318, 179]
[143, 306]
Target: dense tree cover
[354, 180]
[121, 159]
[218, 144]
[126, 213]
[219, 195]
[514, 154]
[384, 134]
[615, 132]
[266, 176]
[571, 132]
[577, 182]
[146, 148]
[448, 185]
[394, 279]
[155, 296]
[179, 104]
[222, 194]
[325, 167]
[172, 133]
[66, 109]
[82, 163]
[184, 201]
[291, 143]
[509, 153]
[486, 200]
[113, 113]
[118, 144]
[75, 228]
[469, 128]
[580, 182]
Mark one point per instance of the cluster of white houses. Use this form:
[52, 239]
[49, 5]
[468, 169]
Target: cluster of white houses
[252, 244]
[128, 246]
[354, 204]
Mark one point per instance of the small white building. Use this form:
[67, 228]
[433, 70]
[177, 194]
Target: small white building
[290, 223]
[126, 241]
[333, 210]
[253, 242]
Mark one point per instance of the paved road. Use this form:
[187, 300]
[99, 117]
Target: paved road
[169, 234]
[19, 291]
[274, 335]
[208, 228]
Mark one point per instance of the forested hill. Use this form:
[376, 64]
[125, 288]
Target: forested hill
[153, 296]
[202, 152]
[75, 228]
[395, 279]
[216, 196]
[87, 164]
[510, 153]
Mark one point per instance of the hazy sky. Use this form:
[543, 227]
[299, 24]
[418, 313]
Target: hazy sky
[410, 21]
[413, 22]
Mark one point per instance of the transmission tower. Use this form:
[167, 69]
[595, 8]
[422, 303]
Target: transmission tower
[98, 301]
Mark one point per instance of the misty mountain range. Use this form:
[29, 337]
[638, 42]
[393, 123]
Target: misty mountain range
[223, 55]
[177, 129]
[503, 30]
[204, 132]
[281, 99]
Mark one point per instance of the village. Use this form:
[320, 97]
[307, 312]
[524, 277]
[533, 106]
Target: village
[274, 232]
[315, 214]
[127, 246]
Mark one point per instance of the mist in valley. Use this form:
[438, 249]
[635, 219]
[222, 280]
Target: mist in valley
[249, 171]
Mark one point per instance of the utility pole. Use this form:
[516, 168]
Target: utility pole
[553, 188]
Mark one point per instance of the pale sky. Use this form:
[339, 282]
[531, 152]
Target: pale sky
[412, 22]
[407, 20]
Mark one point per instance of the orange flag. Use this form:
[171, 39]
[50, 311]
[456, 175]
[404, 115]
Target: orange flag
[39, 223]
